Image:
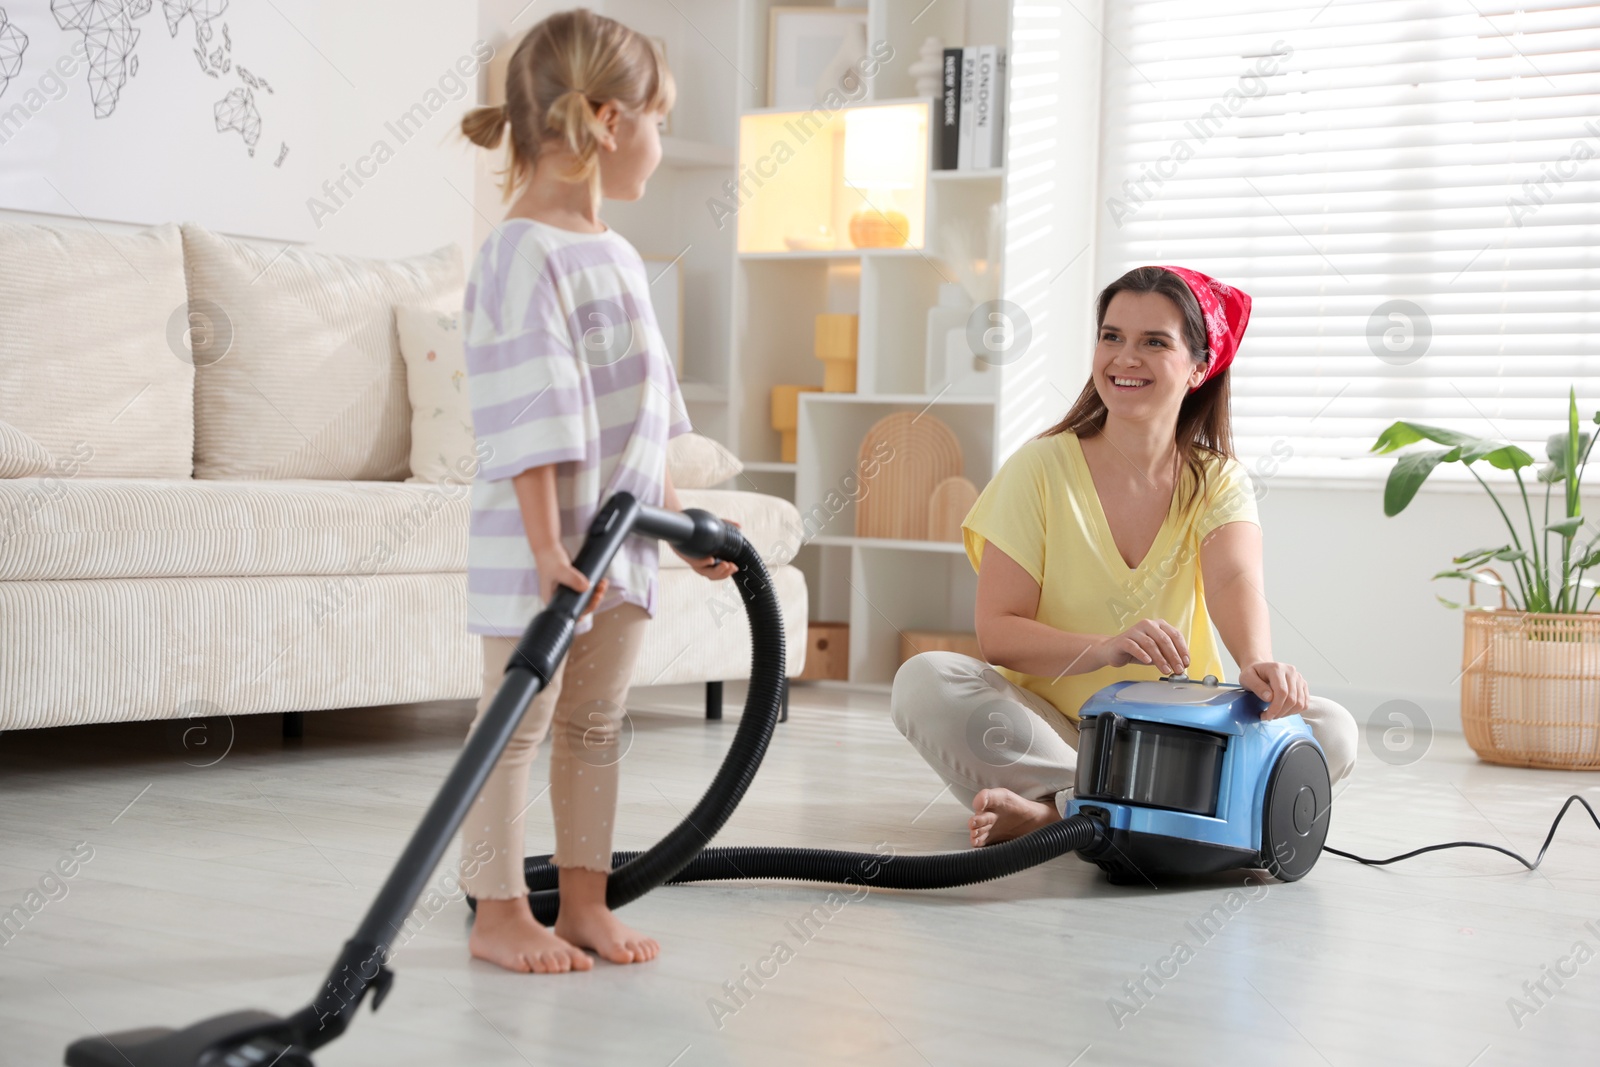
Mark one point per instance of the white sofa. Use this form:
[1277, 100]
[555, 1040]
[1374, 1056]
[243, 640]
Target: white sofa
[222, 525]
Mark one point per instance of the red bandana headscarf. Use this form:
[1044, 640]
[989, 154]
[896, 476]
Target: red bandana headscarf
[1226, 311]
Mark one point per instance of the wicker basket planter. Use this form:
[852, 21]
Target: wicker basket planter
[1530, 688]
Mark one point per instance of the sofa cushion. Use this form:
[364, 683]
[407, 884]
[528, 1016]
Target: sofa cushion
[436, 384]
[770, 523]
[116, 649]
[301, 375]
[92, 360]
[147, 528]
[20, 455]
[698, 462]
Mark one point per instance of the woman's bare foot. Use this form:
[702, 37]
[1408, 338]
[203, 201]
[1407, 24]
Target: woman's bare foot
[585, 920]
[506, 934]
[999, 815]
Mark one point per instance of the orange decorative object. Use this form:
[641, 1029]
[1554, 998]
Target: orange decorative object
[922, 453]
[948, 507]
[871, 228]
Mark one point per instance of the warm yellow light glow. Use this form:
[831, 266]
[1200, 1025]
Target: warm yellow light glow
[884, 147]
[811, 181]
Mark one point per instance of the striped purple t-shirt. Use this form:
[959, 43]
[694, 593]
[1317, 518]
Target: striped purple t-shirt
[566, 365]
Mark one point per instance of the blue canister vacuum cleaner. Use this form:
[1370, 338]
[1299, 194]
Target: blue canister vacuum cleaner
[1175, 777]
[1185, 776]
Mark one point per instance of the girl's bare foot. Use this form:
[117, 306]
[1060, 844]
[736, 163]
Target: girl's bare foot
[999, 815]
[600, 929]
[506, 934]
[585, 920]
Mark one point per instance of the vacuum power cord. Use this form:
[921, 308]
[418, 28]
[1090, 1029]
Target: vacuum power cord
[1477, 844]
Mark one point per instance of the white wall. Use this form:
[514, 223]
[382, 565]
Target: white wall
[502, 23]
[395, 53]
[1051, 212]
[1352, 604]
[377, 62]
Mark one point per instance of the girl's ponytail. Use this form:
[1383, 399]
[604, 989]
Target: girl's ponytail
[484, 125]
[572, 118]
[560, 74]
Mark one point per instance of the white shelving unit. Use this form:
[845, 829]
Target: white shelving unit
[749, 317]
[880, 587]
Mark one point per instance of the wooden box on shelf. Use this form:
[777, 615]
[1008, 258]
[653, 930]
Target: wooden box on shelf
[915, 642]
[786, 416]
[827, 652]
[835, 346]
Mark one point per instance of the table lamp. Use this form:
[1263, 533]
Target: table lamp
[882, 158]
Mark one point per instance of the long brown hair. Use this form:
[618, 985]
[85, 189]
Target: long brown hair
[562, 72]
[1203, 430]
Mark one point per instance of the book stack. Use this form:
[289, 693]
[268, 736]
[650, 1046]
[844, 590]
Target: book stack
[971, 109]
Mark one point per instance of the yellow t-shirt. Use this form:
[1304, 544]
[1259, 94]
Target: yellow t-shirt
[1041, 509]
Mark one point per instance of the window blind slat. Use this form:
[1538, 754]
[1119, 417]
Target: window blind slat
[1215, 18]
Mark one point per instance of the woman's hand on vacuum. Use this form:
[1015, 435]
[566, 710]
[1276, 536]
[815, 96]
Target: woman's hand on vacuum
[1155, 642]
[1279, 684]
[555, 568]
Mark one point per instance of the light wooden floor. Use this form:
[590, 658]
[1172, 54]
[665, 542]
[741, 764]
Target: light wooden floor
[232, 885]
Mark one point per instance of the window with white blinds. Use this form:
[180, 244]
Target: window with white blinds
[1409, 190]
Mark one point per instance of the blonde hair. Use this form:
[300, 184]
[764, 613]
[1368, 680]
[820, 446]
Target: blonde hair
[563, 71]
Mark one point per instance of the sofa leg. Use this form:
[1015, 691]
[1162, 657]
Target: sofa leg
[294, 724]
[714, 701]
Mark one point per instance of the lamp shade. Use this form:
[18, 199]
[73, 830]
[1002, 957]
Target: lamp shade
[883, 148]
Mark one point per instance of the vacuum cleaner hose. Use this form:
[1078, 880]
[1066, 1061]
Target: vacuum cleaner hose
[681, 856]
[936, 870]
[641, 872]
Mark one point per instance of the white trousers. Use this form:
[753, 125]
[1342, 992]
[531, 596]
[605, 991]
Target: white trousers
[979, 731]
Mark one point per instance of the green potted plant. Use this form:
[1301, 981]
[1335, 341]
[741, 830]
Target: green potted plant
[1530, 684]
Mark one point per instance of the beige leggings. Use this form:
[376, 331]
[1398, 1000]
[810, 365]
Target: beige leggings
[980, 731]
[585, 701]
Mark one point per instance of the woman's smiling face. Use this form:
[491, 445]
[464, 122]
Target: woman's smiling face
[1142, 365]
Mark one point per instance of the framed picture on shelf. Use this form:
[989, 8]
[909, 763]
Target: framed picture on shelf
[811, 50]
[666, 296]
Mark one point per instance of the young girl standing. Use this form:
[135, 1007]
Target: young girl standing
[573, 399]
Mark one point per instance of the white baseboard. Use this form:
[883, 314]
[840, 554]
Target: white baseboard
[1371, 707]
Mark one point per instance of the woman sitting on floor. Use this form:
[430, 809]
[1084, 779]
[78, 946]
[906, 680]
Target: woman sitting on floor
[1102, 547]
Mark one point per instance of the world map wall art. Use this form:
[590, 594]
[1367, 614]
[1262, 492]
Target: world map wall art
[200, 109]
